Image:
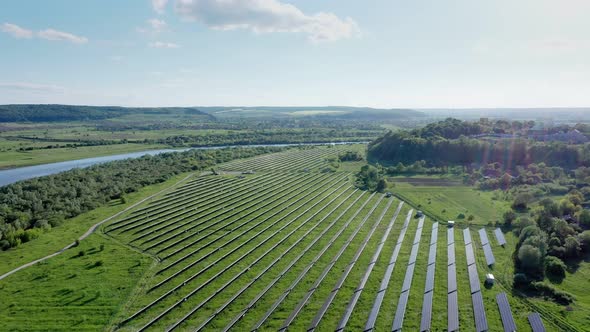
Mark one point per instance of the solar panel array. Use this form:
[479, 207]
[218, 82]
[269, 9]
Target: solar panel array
[481, 322]
[398, 321]
[452, 305]
[429, 286]
[500, 237]
[487, 249]
[505, 313]
[370, 325]
[536, 322]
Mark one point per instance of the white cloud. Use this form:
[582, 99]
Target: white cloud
[16, 31]
[55, 35]
[159, 5]
[157, 25]
[266, 16]
[116, 58]
[31, 86]
[160, 44]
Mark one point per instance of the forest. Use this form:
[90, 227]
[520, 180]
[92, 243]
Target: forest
[448, 143]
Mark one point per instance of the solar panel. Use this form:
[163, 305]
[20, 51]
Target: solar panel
[398, 321]
[473, 278]
[470, 255]
[432, 254]
[429, 278]
[426, 312]
[452, 278]
[481, 322]
[466, 236]
[434, 235]
[408, 278]
[505, 313]
[451, 254]
[483, 236]
[452, 312]
[536, 322]
[500, 236]
[487, 250]
[414, 254]
[450, 235]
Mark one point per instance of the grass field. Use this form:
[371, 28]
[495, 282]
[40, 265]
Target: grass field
[284, 246]
[15, 158]
[447, 202]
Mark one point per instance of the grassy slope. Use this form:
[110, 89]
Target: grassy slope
[59, 237]
[71, 292]
[453, 200]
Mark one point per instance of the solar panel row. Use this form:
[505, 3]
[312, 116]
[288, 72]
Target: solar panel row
[500, 236]
[426, 312]
[370, 324]
[466, 236]
[505, 313]
[483, 236]
[452, 306]
[405, 292]
[450, 235]
[453, 312]
[536, 322]
[487, 250]
[470, 254]
[473, 278]
[429, 286]
[481, 322]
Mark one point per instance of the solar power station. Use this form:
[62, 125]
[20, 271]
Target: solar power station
[286, 250]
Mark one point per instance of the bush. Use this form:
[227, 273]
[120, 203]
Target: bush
[555, 267]
[520, 279]
[509, 217]
[81, 253]
[460, 216]
[546, 289]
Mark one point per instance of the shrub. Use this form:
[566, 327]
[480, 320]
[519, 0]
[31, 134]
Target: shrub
[460, 216]
[81, 253]
[520, 279]
[555, 267]
[546, 289]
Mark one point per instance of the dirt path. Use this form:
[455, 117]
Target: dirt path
[91, 230]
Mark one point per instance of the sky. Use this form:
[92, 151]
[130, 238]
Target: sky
[376, 53]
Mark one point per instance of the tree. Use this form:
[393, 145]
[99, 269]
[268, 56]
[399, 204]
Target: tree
[585, 240]
[530, 259]
[572, 247]
[381, 185]
[584, 218]
[509, 217]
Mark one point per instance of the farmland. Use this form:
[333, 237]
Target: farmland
[275, 242]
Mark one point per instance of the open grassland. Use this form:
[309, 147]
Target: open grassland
[18, 158]
[72, 291]
[286, 246]
[448, 202]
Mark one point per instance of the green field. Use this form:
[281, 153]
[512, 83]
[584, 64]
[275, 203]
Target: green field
[274, 241]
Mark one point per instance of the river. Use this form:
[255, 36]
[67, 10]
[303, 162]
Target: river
[23, 173]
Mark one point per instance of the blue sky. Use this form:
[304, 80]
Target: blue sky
[379, 53]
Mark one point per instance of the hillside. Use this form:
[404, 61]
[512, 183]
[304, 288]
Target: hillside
[59, 113]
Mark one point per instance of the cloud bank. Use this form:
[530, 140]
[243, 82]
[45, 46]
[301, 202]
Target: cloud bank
[266, 16]
[160, 44]
[56, 35]
[47, 34]
[16, 31]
